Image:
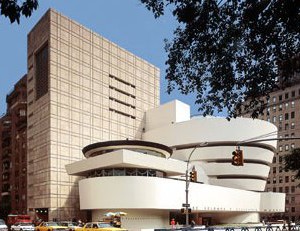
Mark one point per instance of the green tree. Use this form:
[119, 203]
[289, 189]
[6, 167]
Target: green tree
[14, 9]
[292, 162]
[228, 51]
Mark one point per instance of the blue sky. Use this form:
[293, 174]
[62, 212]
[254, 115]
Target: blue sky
[125, 22]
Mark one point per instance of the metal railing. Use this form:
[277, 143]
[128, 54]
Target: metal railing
[240, 228]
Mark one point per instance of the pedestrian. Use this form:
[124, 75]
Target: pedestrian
[173, 223]
[193, 223]
[80, 224]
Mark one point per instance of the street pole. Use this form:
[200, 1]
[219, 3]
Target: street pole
[186, 197]
[213, 144]
[187, 184]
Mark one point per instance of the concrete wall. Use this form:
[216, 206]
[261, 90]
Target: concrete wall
[137, 192]
[138, 219]
[216, 161]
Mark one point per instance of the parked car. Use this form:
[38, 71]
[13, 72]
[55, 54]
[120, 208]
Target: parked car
[17, 218]
[21, 226]
[73, 226]
[3, 226]
[51, 226]
[99, 226]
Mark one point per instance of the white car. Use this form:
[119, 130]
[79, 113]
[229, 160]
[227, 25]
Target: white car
[20, 226]
[3, 226]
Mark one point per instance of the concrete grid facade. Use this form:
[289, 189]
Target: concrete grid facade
[82, 89]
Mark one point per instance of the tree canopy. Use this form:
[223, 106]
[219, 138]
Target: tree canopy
[292, 162]
[14, 9]
[231, 52]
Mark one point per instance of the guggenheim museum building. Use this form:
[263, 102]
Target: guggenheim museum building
[146, 179]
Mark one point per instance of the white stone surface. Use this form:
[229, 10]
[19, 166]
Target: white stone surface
[224, 192]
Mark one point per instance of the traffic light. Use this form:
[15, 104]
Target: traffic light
[193, 176]
[237, 158]
[184, 211]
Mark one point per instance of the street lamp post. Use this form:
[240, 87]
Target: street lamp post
[187, 184]
[186, 205]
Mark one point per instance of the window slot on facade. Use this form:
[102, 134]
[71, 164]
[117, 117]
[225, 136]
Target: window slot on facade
[121, 80]
[123, 92]
[41, 71]
[121, 102]
[121, 113]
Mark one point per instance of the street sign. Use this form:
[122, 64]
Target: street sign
[186, 205]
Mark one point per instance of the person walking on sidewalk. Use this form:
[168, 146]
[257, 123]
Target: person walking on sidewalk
[173, 223]
[193, 223]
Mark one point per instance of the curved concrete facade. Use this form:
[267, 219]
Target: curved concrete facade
[128, 192]
[217, 138]
[123, 180]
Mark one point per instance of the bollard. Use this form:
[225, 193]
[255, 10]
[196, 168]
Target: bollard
[257, 229]
[244, 229]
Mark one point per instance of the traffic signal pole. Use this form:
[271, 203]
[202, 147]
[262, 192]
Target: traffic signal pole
[187, 184]
[213, 144]
[187, 195]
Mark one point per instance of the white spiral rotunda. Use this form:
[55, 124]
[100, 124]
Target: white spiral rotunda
[146, 178]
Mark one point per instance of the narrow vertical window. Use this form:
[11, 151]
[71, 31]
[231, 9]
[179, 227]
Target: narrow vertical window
[41, 71]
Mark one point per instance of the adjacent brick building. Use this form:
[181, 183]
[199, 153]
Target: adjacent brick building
[283, 110]
[13, 150]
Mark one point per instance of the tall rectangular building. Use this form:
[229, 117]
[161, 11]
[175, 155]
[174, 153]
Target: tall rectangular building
[82, 89]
